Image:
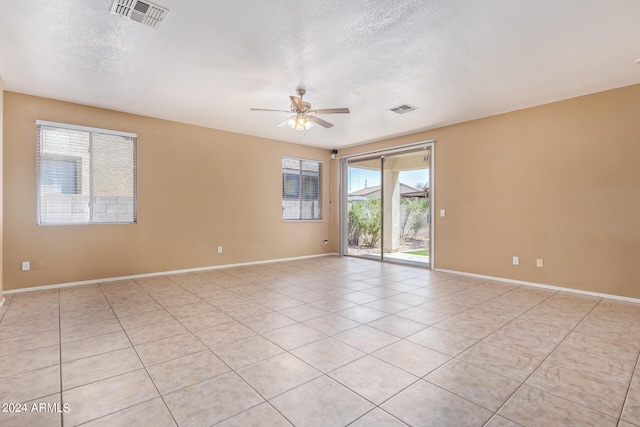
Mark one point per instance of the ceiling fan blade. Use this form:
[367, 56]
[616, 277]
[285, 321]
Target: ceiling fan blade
[284, 122]
[268, 109]
[319, 121]
[331, 111]
[295, 100]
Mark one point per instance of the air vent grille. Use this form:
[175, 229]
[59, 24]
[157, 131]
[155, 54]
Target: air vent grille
[403, 109]
[144, 12]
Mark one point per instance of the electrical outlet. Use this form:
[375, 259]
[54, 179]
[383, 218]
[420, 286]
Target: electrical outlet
[219, 249]
[26, 266]
[516, 260]
[539, 262]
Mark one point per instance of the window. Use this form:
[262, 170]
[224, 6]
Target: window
[300, 189]
[85, 175]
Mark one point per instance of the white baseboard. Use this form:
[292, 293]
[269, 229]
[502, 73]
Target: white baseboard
[216, 267]
[161, 273]
[2, 302]
[541, 285]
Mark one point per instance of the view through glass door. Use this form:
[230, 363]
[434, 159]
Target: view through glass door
[364, 208]
[406, 218]
[388, 207]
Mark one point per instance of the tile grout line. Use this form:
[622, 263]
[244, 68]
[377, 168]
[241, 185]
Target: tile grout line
[626, 396]
[199, 340]
[98, 354]
[207, 379]
[60, 357]
[447, 355]
[540, 364]
[543, 360]
[265, 401]
[418, 378]
[482, 339]
[141, 362]
[322, 374]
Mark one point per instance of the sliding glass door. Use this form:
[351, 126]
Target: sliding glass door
[388, 212]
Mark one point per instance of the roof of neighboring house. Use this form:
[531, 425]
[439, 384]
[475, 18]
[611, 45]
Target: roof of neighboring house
[404, 189]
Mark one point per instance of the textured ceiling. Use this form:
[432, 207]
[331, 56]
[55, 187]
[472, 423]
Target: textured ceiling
[210, 61]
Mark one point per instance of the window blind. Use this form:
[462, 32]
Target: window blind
[301, 189]
[85, 175]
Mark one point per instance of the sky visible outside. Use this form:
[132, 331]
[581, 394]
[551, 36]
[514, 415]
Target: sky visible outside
[359, 178]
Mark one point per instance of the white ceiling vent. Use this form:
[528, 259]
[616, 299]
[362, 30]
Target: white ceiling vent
[403, 109]
[143, 12]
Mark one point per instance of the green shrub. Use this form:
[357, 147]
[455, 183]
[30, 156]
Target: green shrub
[365, 223]
[416, 209]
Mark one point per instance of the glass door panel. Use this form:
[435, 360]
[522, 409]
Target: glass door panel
[405, 209]
[364, 208]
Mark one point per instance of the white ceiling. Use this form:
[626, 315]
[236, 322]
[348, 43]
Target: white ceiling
[210, 61]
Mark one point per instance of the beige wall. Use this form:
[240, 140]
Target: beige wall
[559, 182]
[198, 189]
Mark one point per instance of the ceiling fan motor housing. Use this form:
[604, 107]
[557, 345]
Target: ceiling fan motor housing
[305, 107]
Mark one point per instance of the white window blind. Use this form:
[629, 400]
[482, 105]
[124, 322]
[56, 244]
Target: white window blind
[301, 189]
[85, 175]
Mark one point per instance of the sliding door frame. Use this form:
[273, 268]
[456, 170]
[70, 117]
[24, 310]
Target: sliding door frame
[380, 154]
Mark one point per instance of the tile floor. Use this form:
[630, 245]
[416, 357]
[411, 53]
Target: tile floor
[318, 342]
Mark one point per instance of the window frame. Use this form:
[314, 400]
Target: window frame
[80, 176]
[300, 197]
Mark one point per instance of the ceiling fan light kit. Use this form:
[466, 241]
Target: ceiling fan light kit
[300, 122]
[304, 117]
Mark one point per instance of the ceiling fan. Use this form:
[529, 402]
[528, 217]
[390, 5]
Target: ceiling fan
[304, 117]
